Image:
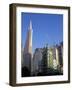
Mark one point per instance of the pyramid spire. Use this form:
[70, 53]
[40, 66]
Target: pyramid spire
[30, 25]
[27, 55]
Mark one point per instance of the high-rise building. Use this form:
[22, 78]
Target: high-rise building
[55, 57]
[37, 59]
[50, 58]
[27, 54]
[60, 54]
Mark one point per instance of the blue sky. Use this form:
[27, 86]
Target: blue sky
[47, 28]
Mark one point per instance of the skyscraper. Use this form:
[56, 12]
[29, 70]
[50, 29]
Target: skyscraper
[27, 54]
[37, 59]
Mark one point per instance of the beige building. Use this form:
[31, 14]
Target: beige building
[54, 57]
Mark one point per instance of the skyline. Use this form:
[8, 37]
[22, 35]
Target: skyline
[47, 28]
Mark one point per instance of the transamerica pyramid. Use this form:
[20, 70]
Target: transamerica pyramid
[27, 54]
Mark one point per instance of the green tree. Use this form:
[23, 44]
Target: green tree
[44, 59]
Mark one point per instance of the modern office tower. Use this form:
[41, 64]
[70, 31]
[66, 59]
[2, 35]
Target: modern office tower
[45, 59]
[60, 52]
[27, 55]
[37, 58]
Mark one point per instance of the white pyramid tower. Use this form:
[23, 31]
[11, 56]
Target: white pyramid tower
[27, 57]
